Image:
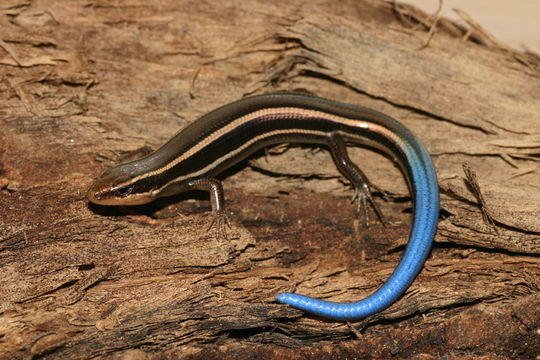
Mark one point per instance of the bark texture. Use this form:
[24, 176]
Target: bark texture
[87, 84]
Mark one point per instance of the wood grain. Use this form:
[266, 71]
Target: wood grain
[85, 85]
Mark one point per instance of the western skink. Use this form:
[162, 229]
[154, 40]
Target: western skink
[223, 137]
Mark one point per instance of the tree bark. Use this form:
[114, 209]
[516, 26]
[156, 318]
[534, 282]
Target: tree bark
[86, 85]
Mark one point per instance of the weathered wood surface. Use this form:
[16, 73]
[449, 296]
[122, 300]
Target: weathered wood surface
[87, 84]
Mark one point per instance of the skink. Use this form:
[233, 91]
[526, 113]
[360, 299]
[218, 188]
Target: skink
[223, 137]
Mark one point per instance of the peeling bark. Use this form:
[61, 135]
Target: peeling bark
[85, 85]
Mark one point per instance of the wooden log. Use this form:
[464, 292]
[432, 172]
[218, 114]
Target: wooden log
[85, 85]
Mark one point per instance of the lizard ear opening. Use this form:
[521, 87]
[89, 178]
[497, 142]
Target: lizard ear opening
[123, 191]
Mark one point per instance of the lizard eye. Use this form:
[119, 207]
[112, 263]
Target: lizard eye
[123, 192]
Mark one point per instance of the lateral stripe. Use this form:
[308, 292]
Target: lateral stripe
[239, 149]
[297, 113]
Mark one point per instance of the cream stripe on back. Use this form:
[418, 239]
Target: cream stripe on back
[298, 113]
[238, 150]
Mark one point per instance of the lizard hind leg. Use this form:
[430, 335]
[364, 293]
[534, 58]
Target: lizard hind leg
[362, 186]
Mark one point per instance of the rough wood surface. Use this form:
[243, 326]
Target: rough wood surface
[85, 85]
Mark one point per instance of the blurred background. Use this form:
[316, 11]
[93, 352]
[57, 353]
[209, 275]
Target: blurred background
[515, 23]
